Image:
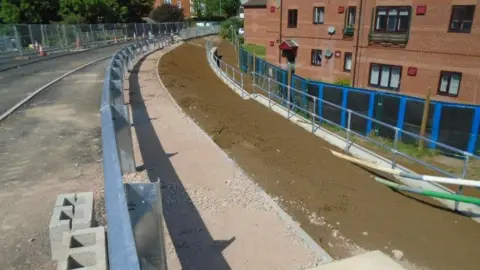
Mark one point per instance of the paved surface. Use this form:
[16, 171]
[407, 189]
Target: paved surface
[337, 203]
[16, 84]
[216, 217]
[49, 146]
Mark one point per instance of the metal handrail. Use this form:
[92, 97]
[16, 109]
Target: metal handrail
[315, 117]
[117, 145]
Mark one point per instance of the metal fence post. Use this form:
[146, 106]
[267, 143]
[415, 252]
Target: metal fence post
[313, 115]
[43, 34]
[143, 24]
[65, 35]
[288, 102]
[104, 32]
[17, 37]
[349, 122]
[268, 86]
[463, 176]
[93, 35]
[395, 146]
[32, 41]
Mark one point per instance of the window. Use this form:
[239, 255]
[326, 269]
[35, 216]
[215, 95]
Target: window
[318, 15]
[392, 19]
[316, 57]
[167, 2]
[385, 76]
[449, 83]
[179, 4]
[347, 62]
[292, 18]
[461, 19]
[351, 13]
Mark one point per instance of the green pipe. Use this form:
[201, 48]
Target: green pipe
[430, 193]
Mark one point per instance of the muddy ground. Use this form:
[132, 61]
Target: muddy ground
[337, 203]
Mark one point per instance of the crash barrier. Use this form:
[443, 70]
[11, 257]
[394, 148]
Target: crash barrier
[127, 204]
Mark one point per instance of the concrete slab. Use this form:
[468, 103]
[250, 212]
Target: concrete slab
[374, 260]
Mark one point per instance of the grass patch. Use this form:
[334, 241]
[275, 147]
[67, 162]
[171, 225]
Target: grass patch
[259, 50]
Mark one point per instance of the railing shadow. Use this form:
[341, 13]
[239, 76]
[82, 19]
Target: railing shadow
[194, 245]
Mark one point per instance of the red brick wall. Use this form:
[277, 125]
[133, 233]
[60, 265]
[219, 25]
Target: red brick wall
[430, 48]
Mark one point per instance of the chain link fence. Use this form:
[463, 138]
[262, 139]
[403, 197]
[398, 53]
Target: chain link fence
[28, 39]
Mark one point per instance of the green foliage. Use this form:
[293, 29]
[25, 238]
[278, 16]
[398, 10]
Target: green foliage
[230, 7]
[343, 82]
[198, 7]
[167, 13]
[230, 26]
[73, 11]
[259, 50]
[134, 10]
[73, 19]
[29, 11]
[211, 7]
[94, 11]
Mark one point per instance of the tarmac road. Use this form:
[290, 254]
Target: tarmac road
[17, 83]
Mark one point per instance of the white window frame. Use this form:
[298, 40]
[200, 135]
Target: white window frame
[383, 77]
[318, 15]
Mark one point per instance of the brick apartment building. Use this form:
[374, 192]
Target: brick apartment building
[407, 46]
[185, 4]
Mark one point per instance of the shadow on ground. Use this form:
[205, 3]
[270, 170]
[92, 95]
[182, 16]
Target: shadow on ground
[193, 243]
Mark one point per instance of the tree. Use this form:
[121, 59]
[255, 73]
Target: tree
[230, 7]
[29, 11]
[94, 11]
[135, 10]
[167, 13]
[198, 7]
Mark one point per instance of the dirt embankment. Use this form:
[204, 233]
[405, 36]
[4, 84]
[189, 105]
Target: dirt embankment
[337, 203]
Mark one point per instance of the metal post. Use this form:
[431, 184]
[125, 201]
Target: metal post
[143, 24]
[93, 35]
[104, 32]
[59, 36]
[464, 175]
[32, 41]
[65, 35]
[135, 26]
[349, 122]
[395, 146]
[126, 31]
[268, 93]
[313, 114]
[288, 102]
[17, 37]
[43, 34]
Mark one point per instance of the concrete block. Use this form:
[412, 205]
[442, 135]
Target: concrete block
[73, 211]
[82, 204]
[83, 249]
[60, 222]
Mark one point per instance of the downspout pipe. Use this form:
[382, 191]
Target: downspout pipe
[280, 32]
[361, 22]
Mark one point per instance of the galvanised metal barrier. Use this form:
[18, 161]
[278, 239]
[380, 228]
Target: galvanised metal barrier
[20, 39]
[314, 110]
[118, 159]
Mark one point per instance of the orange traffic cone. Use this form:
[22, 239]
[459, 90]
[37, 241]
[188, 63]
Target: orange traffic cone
[40, 51]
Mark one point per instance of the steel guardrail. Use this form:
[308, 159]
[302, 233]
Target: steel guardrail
[117, 144]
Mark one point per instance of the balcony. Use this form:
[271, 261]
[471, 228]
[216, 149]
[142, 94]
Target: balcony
[348, 32]
[388, 38]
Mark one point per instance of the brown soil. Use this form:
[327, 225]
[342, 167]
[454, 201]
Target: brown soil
[292, 164]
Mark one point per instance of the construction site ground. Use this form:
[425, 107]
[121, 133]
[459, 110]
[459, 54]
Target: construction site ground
[337, 203]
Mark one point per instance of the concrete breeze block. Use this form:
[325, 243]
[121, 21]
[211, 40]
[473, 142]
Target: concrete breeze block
[60, 222]
[82, 203]
[73, 211]
[83, 249]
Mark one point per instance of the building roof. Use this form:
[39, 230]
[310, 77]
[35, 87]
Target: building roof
[255, 4]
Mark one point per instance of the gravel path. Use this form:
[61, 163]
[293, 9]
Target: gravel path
[216, 217]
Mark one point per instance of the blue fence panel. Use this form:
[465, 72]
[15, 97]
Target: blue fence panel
[404, 112]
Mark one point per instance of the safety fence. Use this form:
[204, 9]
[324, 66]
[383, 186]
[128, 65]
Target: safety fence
[127, 205]
[24, 39]
[355, 125]
[400, 111]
